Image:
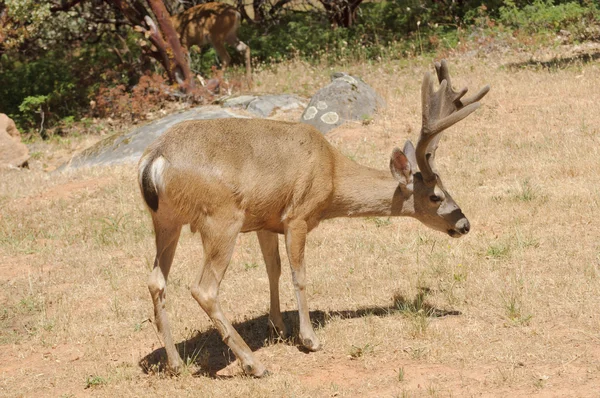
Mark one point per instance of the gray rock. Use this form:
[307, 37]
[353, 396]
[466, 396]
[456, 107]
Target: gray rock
[345, 98]
[241, 102]
[265, 105]
[128, 147]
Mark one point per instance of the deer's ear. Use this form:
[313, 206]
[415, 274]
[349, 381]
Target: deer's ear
[409, 151]
[400, 167]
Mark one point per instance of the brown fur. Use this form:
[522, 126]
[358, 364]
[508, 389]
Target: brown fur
[229, 176]
[215, 24]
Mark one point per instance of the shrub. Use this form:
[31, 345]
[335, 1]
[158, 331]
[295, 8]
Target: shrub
[28, 85]
[116, 101]
[543, 16]
[63, 79]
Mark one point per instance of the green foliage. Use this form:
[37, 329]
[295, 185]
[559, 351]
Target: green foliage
[545, 16]
[28, 85]
[401, 27]
[401, 374]
[498, 250]
[32, 105]
[95, 381]
[302, 34]
[357, 351]
[35, 27]
[309, 35]
[62, 80]
[57, 68]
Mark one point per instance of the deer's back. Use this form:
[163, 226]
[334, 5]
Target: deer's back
[269, 170]
[205, 22]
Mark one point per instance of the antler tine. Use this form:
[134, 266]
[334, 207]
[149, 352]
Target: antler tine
[476, 97]
[443, 73]
[441, 69]
[441, 109]
[426, 93]
[427, 135]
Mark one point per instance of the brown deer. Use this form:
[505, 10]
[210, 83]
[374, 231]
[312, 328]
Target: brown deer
[215, 24]
[227, 176]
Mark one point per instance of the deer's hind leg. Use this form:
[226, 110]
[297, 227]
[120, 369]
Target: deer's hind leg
[219, 45]
[241, 48]
[219, 232]
[167, 235]
[269, 245]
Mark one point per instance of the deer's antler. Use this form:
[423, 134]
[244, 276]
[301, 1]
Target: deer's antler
[441, 109]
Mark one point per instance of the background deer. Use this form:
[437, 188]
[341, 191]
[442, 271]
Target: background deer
[214, 23]
[229, 176]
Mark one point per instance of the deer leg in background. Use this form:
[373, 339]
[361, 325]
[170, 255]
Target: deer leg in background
[219, 234]
[269, 245]
[295, 240]
[167, 235]
[219, 46]
[242, 48]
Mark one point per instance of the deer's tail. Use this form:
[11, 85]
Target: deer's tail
[151, 178]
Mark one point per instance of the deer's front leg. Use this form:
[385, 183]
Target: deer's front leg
[295, 239]
[269, 245]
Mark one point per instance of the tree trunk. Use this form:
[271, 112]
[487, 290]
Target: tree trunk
[133, 12]
[168, 52]
[259, 10]
[341, 12]
[175, 60]
[241, 7]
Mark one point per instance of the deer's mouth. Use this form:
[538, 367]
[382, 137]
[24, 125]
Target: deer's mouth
[455, 233]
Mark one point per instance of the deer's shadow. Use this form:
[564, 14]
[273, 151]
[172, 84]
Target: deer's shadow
[207, 351]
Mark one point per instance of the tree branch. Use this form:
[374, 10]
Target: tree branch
[178, 63]
[65, 5]
[277, 6]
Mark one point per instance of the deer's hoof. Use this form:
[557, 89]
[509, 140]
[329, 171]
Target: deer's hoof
[279, 332]
[174, 369]
[311, 344]
[257, 371]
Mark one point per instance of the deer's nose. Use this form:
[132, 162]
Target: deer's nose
[463, 226]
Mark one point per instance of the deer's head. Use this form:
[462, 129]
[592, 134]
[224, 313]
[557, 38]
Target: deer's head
[420, 184]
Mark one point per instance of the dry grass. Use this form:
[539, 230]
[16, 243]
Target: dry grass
[509, 310]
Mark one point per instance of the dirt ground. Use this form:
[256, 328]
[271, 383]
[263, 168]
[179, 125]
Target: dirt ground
[509, 310]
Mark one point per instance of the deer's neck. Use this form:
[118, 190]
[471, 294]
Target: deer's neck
[361, 191]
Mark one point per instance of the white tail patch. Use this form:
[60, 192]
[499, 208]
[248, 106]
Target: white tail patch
[157, 171]
[241, 46]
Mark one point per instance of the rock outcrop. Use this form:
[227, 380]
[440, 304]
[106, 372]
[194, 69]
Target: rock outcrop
[345, 98]
[13, 153]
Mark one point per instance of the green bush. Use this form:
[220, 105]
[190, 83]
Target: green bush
[543, 16]
[304, 34]
[61, 81]
[28, 85]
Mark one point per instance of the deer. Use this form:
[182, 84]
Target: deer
[224, 177]
[215, 24]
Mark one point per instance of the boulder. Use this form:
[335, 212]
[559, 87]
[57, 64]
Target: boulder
[128, 147]
[265, 105]
[13, 153]
[345, 98]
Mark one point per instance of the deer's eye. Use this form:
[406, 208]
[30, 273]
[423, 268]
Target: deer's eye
[435, 198]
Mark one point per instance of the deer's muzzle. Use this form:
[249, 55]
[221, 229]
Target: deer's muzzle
[462, 227]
